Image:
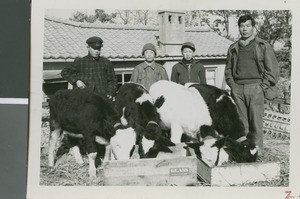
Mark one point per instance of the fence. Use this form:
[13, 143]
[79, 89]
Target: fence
[276, 121]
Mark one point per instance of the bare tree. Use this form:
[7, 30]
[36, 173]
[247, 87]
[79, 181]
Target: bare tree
[126, 16]
[145, 17]
[195, 18]
[99, 16]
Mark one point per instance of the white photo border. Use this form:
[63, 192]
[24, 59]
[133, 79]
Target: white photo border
[35, 191]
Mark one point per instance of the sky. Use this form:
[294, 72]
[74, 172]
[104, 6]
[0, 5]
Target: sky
[64, 13]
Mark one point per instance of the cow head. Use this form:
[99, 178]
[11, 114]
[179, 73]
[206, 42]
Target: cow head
[210, 150]
[152, 130]
[240, 150]
[122, 143]
[153, 141]
[159, 145]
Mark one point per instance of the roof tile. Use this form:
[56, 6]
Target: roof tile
[65, 40]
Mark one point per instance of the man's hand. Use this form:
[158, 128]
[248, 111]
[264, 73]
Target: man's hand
[109, 97]
[80, 84]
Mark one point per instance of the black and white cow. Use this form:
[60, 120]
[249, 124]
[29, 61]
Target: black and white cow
[87, 120]
[227, 123]
[137, 110]
[199, 111]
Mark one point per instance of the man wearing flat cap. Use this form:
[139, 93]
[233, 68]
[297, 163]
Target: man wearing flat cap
[92, 72]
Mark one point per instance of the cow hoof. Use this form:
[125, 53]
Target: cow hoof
[51, 168]
[135, 156]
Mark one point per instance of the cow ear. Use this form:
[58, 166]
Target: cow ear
[152, 153]
[194, 145]
[165, 149]
[159, 102]
[165, 141]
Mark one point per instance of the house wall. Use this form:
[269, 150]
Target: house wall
[53, 81]
[47, 66]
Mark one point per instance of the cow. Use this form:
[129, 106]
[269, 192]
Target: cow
[137, 109]
[87, 120]
[198, 111]
[227, 123]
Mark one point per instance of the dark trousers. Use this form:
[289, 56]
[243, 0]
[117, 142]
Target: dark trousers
[249, 99]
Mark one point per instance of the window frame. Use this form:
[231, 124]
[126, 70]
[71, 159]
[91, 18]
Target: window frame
[123, 72]
[215, 70]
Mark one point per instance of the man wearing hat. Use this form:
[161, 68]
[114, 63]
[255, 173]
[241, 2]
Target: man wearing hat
[149, 71]
[188, 69]
[92, 72]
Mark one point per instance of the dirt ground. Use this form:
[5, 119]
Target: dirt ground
[68, 173]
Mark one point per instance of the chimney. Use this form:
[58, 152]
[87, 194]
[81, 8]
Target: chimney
[171, 31]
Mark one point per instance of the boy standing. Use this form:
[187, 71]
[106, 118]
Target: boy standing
[148, 72]
[188, 69]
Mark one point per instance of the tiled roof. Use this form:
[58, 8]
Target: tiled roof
[66, 40]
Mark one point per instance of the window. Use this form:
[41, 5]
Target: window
[170, 18]
[123, 75]
[211, 76]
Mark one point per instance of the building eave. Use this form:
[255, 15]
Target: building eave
[169, 58]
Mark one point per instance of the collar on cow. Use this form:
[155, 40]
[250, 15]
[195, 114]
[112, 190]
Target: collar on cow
[241, 139]
[152, 122]
[117, 124]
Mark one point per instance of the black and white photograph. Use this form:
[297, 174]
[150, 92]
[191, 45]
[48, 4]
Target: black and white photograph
[138, 98]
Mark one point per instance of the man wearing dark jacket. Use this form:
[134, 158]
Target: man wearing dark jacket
[92, 72]
[188, 69]
[251, 69]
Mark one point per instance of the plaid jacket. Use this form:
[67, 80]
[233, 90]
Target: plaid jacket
[98, 75]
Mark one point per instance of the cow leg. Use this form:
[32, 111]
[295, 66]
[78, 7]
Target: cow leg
[77, 155]
[92, 154]
[176, 133]
[92, 167]
[107, 155]
[100, 154]
[54, 137]
[63, 148]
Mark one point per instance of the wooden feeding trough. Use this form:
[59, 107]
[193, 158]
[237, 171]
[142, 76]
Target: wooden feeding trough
[183, 168]
[178, 168]
[238, 174]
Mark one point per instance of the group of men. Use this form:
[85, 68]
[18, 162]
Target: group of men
[251, 69]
